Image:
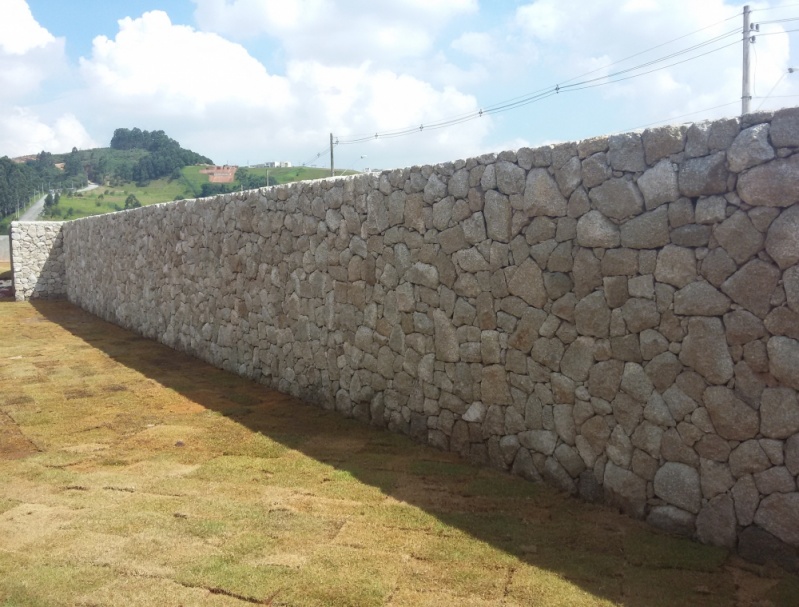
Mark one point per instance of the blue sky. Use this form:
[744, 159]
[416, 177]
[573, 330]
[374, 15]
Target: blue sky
[244, 81]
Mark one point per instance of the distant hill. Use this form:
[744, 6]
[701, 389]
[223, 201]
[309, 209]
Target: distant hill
[165, 157]
[134, 155]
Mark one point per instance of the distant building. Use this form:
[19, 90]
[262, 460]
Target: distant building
[276, 164]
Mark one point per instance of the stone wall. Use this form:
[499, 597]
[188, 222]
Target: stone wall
[619, 316]
[37, 256]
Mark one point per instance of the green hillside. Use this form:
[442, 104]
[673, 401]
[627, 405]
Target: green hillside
[189, 184]
[133, 155]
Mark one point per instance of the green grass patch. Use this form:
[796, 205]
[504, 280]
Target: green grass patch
[233, 576]
[107, 199]
[34, 584]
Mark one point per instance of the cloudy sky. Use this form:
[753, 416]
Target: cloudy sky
[245, 81]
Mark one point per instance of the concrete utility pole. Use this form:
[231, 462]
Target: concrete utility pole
[746, 94]
[332, 169]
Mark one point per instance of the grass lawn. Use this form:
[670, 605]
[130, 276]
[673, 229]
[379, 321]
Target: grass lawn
[107, 199]
[135, 475]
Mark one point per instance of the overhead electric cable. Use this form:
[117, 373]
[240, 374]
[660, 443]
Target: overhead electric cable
[773, 8]
[672, 118]
[571, 86]
[776, 33]
[557, 89]
[547, 91]
[657, 69]
[317, 155]
[778, 21]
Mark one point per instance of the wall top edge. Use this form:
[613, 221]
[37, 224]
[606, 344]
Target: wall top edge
[583, 146]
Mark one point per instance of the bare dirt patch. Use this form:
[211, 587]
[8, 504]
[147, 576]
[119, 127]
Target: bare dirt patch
[220, 174]
[13, 443]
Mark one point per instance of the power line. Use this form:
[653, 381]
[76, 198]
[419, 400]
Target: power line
[664, 58]
[316, 156]
[548, 92]
[544, 92]
[776, 84]
[672, 118]
[776, 33]
[778, 21]
[773, 8]
[657, 69]
[643, 52]
[571, 86]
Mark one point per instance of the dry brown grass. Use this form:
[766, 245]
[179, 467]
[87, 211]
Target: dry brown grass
[135, 475]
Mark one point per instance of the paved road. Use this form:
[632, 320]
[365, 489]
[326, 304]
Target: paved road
[32, 214]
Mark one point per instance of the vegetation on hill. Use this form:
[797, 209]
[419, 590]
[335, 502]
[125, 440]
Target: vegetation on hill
[165, 157]
[134, 155]
[139, 168]
[191, 184]
[21, 181]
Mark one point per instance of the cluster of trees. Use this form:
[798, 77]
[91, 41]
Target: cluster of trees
[251, 181]
[52, 208]
[17, 183]
[166, 157]
[134, 155]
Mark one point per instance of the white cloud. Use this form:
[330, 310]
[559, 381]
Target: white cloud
[213, 96]
[23, 132]
[19, 31]
[575, 37]
[158, 68]
[29, 54]
[339, 32]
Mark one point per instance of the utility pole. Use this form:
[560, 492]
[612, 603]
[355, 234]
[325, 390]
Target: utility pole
[746, 94]
[332, 169]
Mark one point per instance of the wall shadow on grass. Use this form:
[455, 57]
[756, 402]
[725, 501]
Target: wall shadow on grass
[519, 523]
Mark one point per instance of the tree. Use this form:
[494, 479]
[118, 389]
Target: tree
[131, 202]
[49, 201]
[72, 164]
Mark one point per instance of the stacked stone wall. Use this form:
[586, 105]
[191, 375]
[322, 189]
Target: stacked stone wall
[37, 256]
[618, 316]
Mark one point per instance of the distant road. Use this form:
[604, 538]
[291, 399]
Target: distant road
[32, 214]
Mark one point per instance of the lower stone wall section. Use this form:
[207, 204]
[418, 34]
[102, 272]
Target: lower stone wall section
[618, 316]
[37, 257]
